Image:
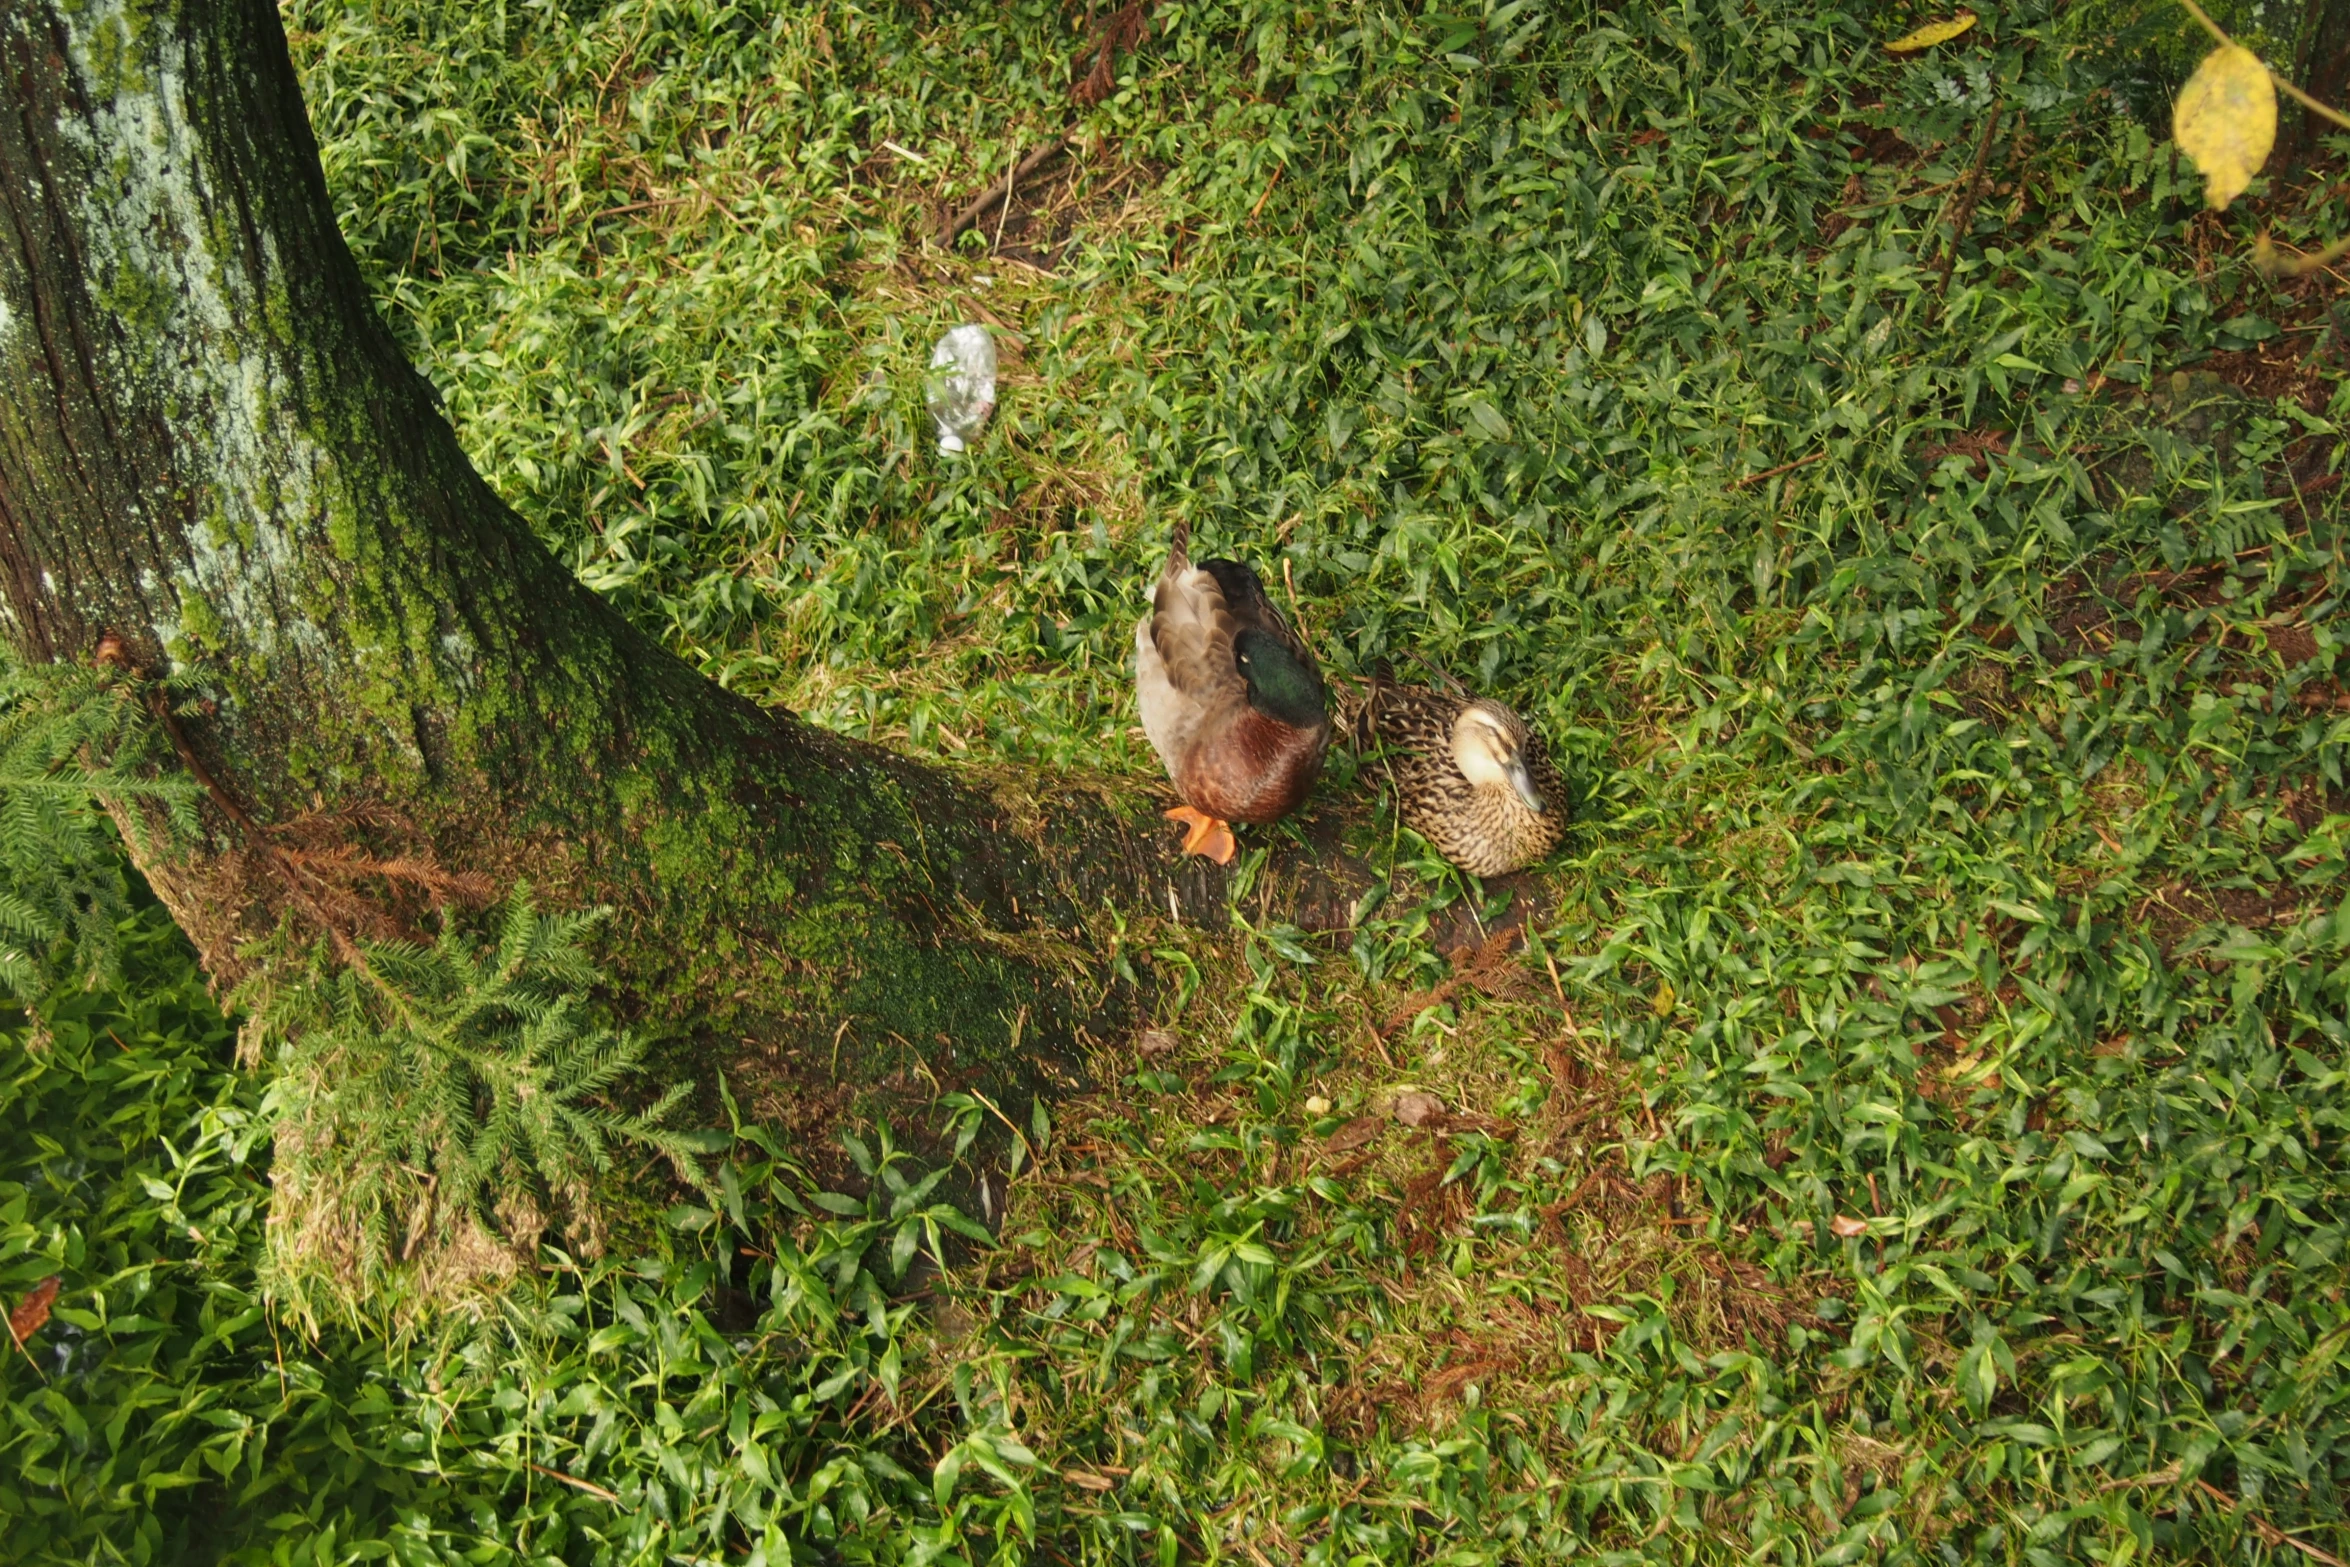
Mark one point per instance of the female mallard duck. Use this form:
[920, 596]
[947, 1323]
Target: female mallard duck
[1470, 776]
[1230, 699]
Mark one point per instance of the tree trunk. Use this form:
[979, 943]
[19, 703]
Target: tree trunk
[2322, 70]
[212, 451]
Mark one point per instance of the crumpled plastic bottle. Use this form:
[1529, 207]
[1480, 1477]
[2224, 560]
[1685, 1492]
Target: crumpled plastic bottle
[961, 386]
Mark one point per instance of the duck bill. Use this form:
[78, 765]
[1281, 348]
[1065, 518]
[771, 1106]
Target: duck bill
[1523, 782]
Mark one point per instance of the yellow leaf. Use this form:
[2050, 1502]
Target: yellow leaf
[1663, 1001]
[2226, 120]
[1931, 34]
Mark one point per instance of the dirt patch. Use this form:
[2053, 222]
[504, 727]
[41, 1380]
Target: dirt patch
[2308, 803]
[1982, 686]
[1867, 139]
[1725, 1300]
[2176, 910]
[2282, 367]
[2306, 358]
[2092, 608]
[1080, 192]
[2190, 408]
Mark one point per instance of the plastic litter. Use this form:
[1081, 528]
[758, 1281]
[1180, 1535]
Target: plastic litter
[961, 386]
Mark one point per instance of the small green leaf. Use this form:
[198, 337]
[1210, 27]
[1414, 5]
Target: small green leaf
[1488, 419]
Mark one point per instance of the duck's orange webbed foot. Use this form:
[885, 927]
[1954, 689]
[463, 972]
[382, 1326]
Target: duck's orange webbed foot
[1206, 835]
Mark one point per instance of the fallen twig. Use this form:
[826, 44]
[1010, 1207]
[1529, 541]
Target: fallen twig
[2274, 263]
[2168, 1475]
[635, 206]
[1895, 201]
[573, 1481]
[1963, 214]
[1002, 189]
[2270, 1535]
[1267, 196]
[1773, 473]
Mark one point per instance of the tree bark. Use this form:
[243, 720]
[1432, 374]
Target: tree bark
[2322, 70]
[212, 451]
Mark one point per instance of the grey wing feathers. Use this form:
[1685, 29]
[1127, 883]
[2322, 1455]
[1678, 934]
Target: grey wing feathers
[1193, 628]
[1183, 661]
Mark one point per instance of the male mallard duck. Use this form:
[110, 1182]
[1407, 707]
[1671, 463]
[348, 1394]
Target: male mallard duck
[1470, 776]
[1230, 698]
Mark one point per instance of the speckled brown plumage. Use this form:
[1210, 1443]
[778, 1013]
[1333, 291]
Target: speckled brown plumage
[1485, 829]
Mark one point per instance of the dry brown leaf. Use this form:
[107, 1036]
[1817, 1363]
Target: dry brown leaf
[32, 1313]
[1931, 34]
[2226, 121]
[1418, 1109]
[1847, 1226]
[1355, 1133]
[1090, 1481]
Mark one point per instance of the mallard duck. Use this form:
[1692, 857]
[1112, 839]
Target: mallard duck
[1230, 698]
[1470, 776]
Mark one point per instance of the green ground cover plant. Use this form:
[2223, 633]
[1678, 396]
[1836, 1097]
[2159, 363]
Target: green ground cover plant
[1909, 1133]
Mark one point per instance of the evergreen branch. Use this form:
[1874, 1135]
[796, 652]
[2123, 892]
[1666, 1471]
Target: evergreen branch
[74, 742]
[457, 1084]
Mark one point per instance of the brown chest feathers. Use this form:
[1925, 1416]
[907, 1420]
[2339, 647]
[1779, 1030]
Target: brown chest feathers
[1251, 769]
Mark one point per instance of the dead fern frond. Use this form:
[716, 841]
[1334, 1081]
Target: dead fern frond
[1117, 33]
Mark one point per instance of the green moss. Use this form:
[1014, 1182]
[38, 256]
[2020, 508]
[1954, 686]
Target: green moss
[200, 625]
[115, 38]
[142, 303]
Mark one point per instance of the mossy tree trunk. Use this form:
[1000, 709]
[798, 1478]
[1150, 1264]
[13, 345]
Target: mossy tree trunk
[212, 451]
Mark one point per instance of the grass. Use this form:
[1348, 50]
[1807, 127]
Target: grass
[1916, 1131]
